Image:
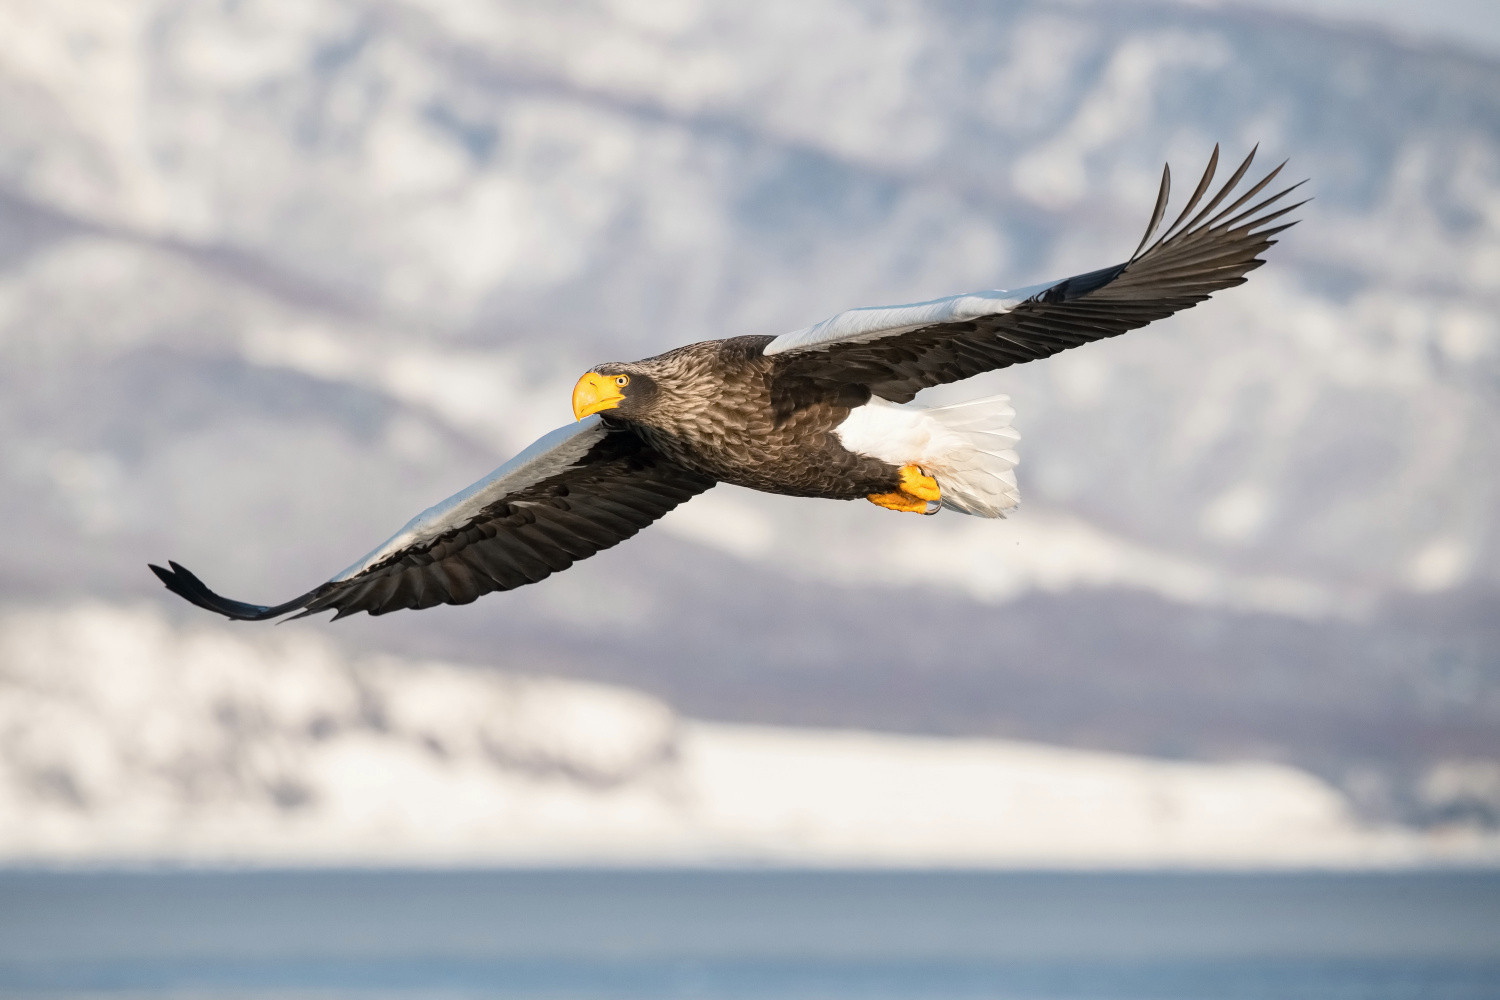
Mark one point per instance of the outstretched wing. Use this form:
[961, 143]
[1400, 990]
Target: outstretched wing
[575, 491]
[898, 350]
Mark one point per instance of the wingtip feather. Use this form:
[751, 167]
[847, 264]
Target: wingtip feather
[1163, 192]
[185, 584]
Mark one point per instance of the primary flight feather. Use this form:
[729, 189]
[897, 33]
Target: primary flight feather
[822, 412]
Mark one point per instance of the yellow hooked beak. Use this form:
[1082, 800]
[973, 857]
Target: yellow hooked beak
[595, 392]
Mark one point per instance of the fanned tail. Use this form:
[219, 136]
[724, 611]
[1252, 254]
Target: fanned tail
[977, 474]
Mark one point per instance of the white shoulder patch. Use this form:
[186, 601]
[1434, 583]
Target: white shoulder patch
[550, 454]
[860, 326]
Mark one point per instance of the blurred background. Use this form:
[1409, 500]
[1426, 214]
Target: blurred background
[277, 274]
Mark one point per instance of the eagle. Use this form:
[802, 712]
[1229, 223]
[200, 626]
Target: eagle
[826, 411]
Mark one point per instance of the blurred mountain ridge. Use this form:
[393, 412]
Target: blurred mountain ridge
[274, 276]
[124, 739]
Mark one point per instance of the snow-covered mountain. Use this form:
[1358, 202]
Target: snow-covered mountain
[125, 739]
[274, 276]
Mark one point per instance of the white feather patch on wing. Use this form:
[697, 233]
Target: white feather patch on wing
[552, 453]
[860, 326]
[969, 448]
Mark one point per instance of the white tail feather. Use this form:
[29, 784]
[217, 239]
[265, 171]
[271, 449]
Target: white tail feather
[976, 459]
[969, 448]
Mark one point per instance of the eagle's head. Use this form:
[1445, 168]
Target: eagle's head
[627, 389]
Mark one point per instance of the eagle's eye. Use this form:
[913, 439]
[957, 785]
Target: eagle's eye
[622, 380]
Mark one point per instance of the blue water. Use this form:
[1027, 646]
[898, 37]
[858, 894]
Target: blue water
[833, 935]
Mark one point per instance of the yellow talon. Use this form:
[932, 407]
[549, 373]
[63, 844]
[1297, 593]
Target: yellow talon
[918, 484]
[898, 501]
[917, 492]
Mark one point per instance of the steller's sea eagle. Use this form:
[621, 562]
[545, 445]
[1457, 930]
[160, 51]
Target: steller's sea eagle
[822, 412]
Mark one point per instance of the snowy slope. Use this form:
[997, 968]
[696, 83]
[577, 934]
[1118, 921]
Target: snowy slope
[122, 738]
[550, 183]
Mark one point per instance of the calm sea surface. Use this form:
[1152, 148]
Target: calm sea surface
[639, 934]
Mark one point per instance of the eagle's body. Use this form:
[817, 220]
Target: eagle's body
[822, 412]
[724, 410]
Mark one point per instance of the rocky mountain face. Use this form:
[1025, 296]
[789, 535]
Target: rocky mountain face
[274, 276]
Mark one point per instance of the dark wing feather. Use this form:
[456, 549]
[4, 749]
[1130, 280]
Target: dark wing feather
[619, 487]
[1192, 260]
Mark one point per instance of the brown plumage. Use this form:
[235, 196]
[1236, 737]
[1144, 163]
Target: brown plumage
[806, 414]
[724, 409]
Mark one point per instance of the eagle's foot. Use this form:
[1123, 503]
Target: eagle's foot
[919, 493]
[915, 482]
[898, 501]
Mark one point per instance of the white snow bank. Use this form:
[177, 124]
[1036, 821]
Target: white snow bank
[123, 738]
